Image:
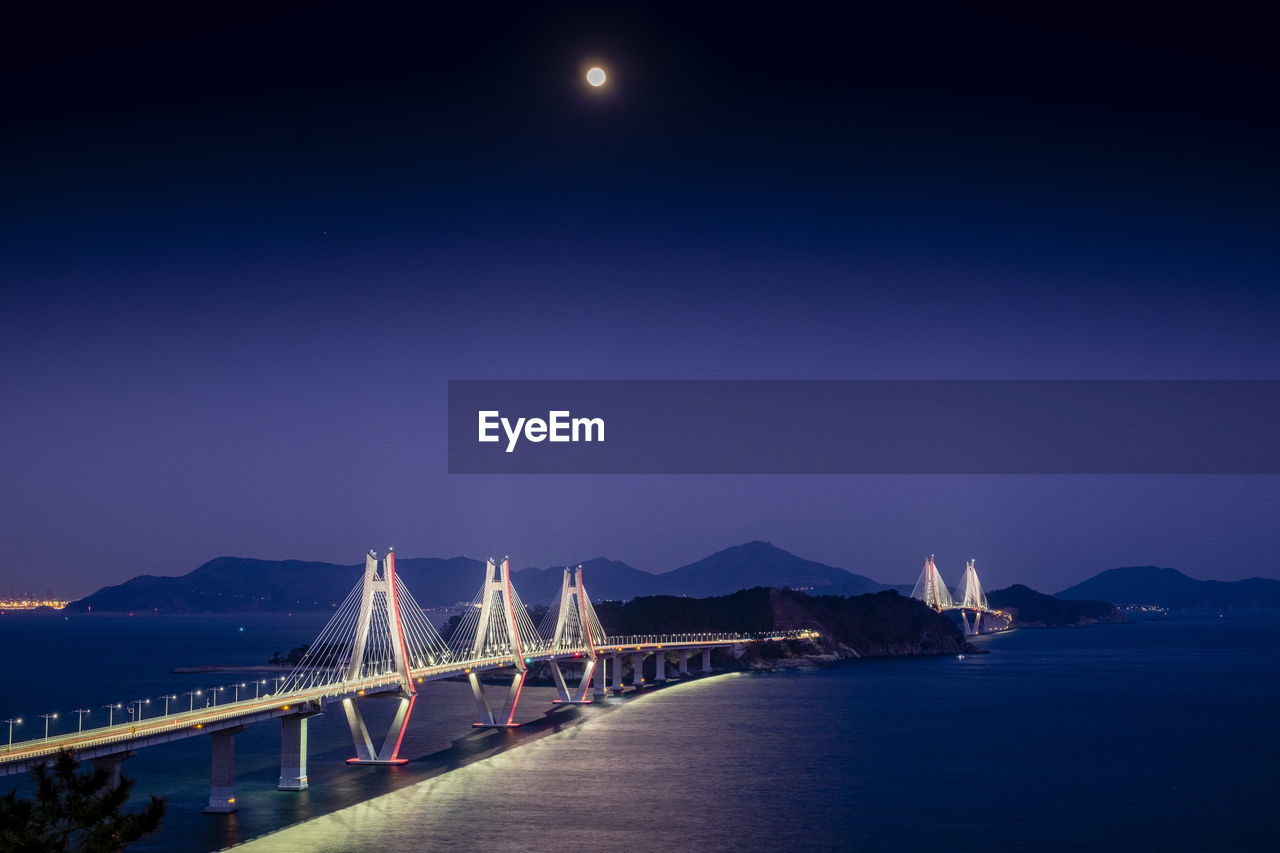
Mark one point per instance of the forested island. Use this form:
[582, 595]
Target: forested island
[870, 625]
[1031, 609]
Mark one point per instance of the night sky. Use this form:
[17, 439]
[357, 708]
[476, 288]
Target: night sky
[242, 255]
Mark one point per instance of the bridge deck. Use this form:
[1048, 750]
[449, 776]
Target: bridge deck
[123, 737]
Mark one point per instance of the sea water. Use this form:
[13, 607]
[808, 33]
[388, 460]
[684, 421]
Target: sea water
[1155, 735]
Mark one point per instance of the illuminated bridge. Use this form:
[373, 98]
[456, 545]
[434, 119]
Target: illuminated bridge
[968, 600]
[379, 645]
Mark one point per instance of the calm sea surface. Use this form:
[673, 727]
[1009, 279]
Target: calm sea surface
[1153, 736]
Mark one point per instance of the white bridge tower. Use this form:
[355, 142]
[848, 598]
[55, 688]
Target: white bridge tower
[378, 631]
[930, 589]
[574, 627]
[496, 628]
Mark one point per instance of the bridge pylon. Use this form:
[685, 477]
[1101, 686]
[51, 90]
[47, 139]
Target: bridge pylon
[930, 589]
[370, 647]
[379, 627]
[573, 626]
[497, 628]
[969, 593]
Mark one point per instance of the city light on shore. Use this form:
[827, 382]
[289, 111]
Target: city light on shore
[31, 604]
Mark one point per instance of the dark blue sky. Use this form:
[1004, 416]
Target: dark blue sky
[243, 255]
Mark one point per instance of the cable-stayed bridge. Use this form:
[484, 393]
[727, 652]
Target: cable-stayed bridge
[380, 645]
[969, 599]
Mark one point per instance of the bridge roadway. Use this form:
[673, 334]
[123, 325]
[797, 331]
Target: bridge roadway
[123, 739]
[370, 647]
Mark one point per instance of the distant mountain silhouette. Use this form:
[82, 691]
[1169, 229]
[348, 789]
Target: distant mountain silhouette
[604, 578]
[240, 583]
[1171, 588]
[1031, 609]
[760, 564]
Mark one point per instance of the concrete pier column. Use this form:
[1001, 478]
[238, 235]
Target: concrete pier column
[111, 763]
[222, 787]
[659, 666]
[637, 664]
[293, 753]
[600, 677]
[617, 673]
[706, 660]
[684, 662]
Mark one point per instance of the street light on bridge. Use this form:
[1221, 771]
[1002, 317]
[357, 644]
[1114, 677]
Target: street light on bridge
[47, 718]
[215, 692]
[166, 702]
[110, 711]
[139, 703]
[238, 686]
[193, 694]
[13, 721]
[80, 712]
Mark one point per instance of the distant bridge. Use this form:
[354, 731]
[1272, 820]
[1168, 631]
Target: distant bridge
[380, 645]
[969, 598]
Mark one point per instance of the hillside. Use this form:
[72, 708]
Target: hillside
[230, 584]
[1031, 609]
[761, 564]
[1171, 588]
[604, 579]
[883, 623]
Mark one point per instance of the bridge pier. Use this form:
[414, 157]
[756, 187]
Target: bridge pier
[617, 674]
[222, 783]
[637, 666]
[706, 661]
[600, 677]
[389, 753]
[487, 718]
[293, 752]
[111, 763]
[684, 662]
[579, 694]
[660, 666]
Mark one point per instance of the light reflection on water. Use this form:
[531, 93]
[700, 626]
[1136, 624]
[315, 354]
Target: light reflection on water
[1121, 734]
[1148, 736]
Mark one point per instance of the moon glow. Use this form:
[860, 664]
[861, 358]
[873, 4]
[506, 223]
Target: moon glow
[596, 77]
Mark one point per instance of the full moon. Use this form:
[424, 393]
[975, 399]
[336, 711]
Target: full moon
[596, 77]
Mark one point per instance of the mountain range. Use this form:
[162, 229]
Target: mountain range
[1171, 588]
[240, 583]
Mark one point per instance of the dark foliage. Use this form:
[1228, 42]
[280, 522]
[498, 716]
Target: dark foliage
[73, 811]
[883, 623]
[295, 655]
[450, 625]
[1029, 608]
